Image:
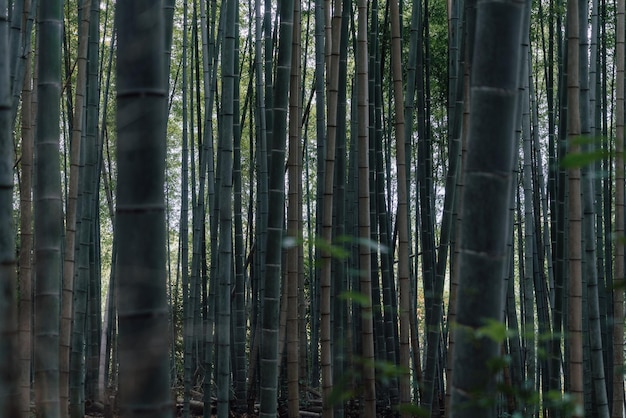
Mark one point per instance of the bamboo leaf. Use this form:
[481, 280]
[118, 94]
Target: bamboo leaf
[582, 159]
[494, 330]
[335, 251]
[355, 297]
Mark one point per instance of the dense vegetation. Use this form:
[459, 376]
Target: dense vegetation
[312, 208]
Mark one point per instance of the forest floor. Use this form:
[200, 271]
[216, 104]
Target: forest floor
[309, 408]
[348, 414]
[311, 411]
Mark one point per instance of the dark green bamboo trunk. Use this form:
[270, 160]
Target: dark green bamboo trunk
[596, 403]
[574, 318]
[339, 305]
[239, 300]
[79, 327]
[73, 221]
[557, 192]
[93, 165]
[225, 264]
[48, 212]
[488, 178]
[320, 133]
[432, 293]
[94, 309]
[13, 36]
[108, 326]
[528, 270]
[271, 299]
[544, 271]
[455, 122]
[140, 214]
[9, 399]
[25, 272]
[383, 223]
[85, 333]
[207, 176]
[294, 211]
[22, 22]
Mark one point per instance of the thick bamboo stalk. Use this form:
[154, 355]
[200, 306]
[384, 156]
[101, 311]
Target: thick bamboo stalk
[271, 296]
[367, 332]
[294, 212]
[332, 68]
[144, 383]
[574, 250]
[48, 211]
[488, 178]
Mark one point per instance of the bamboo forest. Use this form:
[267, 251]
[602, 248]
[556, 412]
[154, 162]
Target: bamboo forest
[312, 208]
